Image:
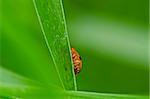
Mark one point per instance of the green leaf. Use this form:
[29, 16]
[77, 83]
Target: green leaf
[15, 86]
[53, 25]
[94, 95]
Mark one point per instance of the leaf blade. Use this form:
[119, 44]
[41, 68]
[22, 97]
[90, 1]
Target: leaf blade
[13, 86]
[94, 95]
[52, 21]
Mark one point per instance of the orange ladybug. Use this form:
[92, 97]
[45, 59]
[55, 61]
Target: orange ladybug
[76, 61]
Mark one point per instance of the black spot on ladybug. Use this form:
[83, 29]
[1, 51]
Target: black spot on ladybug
[80, 58]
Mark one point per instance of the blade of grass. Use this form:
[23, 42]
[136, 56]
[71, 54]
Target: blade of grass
[15, 86]
[51, 17]
[94, 95]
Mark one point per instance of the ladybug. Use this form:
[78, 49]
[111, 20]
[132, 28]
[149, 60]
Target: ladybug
[77, 61]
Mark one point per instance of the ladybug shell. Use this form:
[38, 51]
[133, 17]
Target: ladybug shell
[76, 61]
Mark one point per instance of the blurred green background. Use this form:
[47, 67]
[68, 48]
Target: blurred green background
[112, 38]
[110, 35]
